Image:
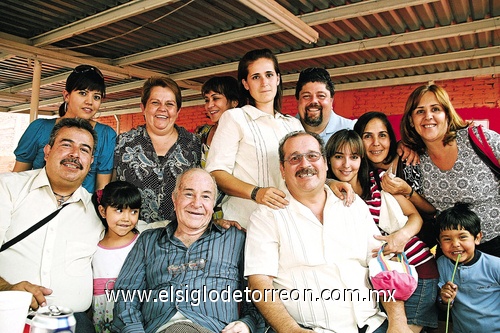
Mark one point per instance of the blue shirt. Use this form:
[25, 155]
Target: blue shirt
[36, 136]
[476, 306]
[336, 123]
[161, 263]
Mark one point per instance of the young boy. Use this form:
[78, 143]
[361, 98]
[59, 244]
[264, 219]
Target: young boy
[475, 291]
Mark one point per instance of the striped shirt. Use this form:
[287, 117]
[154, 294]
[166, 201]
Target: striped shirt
[160, 264]
[309, 258]
[418, 252]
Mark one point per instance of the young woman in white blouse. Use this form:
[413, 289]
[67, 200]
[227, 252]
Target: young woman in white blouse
[244, 152]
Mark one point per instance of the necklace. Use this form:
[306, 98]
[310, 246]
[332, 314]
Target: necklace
[62, 198]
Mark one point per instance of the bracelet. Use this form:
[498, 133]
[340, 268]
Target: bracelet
[409, 195]
[254, 193]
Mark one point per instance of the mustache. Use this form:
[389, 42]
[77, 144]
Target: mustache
[314, 105]
[74, 161]
[306, 171]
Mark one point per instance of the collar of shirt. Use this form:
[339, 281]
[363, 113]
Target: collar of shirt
[169, 231]
[255, 113]
[477, 255]
[42, 181]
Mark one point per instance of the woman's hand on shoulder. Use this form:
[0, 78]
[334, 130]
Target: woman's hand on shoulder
[408, 156]
[271, 197]
[226, 224]
[342, 190]
[395, 185]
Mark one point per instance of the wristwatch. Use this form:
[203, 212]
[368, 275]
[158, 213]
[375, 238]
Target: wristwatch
[408, 196]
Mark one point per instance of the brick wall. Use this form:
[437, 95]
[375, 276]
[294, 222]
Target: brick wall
[474, 98]
[478, 97]
[464, 94]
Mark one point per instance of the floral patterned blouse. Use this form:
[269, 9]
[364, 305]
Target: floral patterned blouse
[470, 180]
[136, 161]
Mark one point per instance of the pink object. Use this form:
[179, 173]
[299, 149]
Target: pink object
[390, 277]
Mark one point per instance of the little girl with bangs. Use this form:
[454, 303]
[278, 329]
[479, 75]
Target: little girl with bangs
[118, 206]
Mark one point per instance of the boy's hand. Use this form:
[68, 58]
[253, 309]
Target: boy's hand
[448, 292]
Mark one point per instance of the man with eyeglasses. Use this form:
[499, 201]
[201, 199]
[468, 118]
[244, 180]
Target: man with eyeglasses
[314, 93]
[191, 270]
[312, 255]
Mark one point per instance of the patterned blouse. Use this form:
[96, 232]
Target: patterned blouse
[203, 133]
[469, 180]
[136, 162]
[417, 251]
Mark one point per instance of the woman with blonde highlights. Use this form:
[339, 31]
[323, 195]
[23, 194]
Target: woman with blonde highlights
[451, 169]
[151, 156]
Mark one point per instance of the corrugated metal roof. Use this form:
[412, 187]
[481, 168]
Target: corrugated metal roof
[363, 44]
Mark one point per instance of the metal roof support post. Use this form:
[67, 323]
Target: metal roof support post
[117, 118]
[35, 91]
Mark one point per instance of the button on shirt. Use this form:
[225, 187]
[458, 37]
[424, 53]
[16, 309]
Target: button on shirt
[318, 263]
[136, 162]
[246, 146]
[58, 255]
[161, 263]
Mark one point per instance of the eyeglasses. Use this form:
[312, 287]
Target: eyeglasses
[311, 156]
[193, 265]
[86, 68]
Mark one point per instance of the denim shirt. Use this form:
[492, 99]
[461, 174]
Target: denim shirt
[179, 278]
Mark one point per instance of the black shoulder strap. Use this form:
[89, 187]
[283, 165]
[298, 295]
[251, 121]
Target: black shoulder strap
[32, 229]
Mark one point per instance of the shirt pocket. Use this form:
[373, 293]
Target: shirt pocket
[78, 258]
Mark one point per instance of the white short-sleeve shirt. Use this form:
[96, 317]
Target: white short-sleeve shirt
[308, 258]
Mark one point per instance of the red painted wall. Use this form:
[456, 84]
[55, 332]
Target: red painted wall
[473, 98]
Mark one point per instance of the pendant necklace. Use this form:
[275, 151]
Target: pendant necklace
[61, 198]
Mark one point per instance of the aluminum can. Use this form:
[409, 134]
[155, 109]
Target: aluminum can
[53, 319]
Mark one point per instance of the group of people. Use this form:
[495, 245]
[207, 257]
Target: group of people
[290, 181]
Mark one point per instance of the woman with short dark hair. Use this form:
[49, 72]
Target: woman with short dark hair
[83, 95]
[151, 156]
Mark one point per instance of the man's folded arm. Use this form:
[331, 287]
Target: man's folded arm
[396, 317]
[273, 310]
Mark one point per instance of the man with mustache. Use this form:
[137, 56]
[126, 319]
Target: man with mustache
[53, 262]
[312, 256]
[314, 93]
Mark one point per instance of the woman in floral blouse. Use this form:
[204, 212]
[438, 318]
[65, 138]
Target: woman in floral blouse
[152, 155]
